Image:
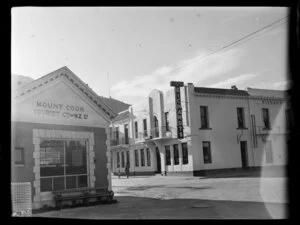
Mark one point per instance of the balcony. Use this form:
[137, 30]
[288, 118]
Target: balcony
[121, 141]
[261, 130]
[155, 133]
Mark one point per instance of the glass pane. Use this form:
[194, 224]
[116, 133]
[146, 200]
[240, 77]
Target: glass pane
[71, 182]
[46, 184]
[58, 183]
[82, 181]
[52, 157]
[76, 157]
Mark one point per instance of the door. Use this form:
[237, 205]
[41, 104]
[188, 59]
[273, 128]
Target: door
[244, 154]
[158, 161]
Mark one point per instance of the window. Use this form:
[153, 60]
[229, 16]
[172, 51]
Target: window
[185, 159]
[123, 159]
[206, 152]
[148, 157]
[168, 155]
[118, 159]
[204, 116]
[63, 164]
[117, 135]
[167, 121]
[127, 158]
[156, 131]
[145, 127]
[176, 154]
[136, 129]
[266, 119]
[269, 153]
[136, 157]
[142, 158]
[19, 156]
[126, 133]
[241, 117]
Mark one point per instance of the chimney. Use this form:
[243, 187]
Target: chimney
[233, 87]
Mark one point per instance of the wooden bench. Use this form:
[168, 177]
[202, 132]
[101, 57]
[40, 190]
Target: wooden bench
[100, 193]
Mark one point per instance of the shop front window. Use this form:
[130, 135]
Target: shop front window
[63, 164]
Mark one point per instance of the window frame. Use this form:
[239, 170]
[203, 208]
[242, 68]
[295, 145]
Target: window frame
[185, 156]
[204, 148]
[268, 127]
[204, 117]
[22, 161]
[142, 157]
[136, 129]
[168, 154]
[118, 159]
[148, 157]
[176, 154]
[145, 127]
[241, 116]
[136, 158]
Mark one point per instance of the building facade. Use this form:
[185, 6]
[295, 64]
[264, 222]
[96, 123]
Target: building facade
[222, 129]
[60, 136]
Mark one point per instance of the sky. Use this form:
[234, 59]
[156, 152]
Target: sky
[126, 52]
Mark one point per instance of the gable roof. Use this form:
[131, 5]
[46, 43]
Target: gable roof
[220, 91]
[115, 104]
[76, 81]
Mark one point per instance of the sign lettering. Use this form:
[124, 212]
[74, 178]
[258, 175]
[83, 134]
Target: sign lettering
[177, 86]
[59, 110]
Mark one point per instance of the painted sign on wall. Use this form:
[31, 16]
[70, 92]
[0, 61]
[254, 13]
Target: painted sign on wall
[43, 108]
[177, 86]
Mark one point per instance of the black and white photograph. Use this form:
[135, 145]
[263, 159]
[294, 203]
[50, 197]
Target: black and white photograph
[150, 112]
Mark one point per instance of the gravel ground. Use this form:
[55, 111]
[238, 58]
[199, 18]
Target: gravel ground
[160, 197]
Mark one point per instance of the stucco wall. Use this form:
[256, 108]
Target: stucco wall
[22, 136]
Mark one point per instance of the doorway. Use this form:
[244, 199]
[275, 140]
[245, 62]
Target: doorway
[158, 160]
[244, 154]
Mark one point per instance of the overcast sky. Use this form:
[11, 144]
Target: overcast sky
[146, 48]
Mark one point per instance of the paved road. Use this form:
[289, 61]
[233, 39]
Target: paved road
[158, 197]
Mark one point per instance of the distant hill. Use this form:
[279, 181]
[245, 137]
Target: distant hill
[19, 80]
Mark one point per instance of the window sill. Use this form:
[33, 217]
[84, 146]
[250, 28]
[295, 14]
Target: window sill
[205, 128]
[242, 128]
[19, 165]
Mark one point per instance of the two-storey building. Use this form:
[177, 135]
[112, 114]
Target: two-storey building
[222, 129]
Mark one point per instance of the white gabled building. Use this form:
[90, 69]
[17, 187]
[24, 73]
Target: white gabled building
[223, 129]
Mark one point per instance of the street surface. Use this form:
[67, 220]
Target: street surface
[170, 197]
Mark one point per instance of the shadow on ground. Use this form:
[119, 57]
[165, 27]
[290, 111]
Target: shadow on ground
[245, 173]
[128, 207]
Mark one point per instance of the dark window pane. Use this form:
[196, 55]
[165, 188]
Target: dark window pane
[168, 155]
[142, 158]
[82, 181]
[71, 182]
[46, 184]
[240, 117]
[122, 158]
[127, 158]
[136, 154]
[76, 161]
[204, 116]
[148, 157]
[118, 159]
[176, 154]
[185, 159]
[58, 183]
[206, 152]
[266, 119]
[51, 157]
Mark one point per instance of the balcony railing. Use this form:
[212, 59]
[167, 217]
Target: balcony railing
[261, 130]
[121, 141]
[157, 132]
